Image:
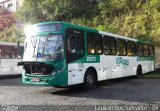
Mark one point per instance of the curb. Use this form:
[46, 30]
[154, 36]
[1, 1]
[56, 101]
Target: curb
[10, 76]
[152, 77]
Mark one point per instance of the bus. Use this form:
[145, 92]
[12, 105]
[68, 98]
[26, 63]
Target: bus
[61, 54]
[10, 54]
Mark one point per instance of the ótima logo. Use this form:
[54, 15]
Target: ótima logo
[120, 60]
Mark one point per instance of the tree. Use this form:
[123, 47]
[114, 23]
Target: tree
[6, 19]
[60, 10]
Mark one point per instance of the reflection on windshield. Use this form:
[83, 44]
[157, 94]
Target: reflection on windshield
[51, 48]
[33, 41]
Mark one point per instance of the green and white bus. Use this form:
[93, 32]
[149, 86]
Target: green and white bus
[60, 54]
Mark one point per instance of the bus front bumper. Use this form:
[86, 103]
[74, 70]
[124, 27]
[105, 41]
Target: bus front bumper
[44, 81]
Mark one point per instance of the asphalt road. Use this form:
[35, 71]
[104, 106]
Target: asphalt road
[124, 91]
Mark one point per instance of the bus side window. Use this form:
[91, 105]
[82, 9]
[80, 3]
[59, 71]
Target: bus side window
[121, 47]
[71, 43]
[75, 44]
[94, 43]
[151, 50]
[131, 48]
[8, 52]
[19, 52]
[12, 53]
[145, 50]
[109, 45]
[139, 50]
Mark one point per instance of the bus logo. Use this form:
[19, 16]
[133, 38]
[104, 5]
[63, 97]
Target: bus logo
[120, 60]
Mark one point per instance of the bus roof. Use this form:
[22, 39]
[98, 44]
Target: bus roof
[117, 36]
[102, 32]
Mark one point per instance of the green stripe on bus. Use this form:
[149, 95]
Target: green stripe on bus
[145, 58]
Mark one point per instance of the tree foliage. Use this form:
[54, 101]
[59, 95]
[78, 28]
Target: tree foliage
[60, 10]
[7, 29]
[133, 18]
[6, 19]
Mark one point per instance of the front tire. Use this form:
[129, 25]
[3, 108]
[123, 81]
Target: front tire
[90, 79]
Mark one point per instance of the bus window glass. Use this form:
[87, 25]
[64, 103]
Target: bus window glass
[94, 43]
[139, 49]
[121, 47]
[75, 44]
[130, 48]
[151, 50]
[51, 47]
[109, 46]
[8, 52]
[12, 53]
[20, 52]
[145, 50]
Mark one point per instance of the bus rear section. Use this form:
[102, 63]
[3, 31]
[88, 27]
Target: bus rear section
[10, 54]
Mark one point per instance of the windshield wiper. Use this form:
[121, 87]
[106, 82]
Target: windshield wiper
[33, 42]
[46, 42]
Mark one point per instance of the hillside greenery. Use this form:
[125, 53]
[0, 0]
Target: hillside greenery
[133, 18]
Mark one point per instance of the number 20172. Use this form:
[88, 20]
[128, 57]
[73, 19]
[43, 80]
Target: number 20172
[91, 58]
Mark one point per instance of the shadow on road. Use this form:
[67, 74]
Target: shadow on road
[144, 90]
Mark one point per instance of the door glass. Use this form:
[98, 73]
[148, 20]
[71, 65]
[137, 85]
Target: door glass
[75, 44]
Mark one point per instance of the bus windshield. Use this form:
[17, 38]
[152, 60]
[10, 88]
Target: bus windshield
[51, 47]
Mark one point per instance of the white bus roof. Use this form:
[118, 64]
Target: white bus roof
[117, 36]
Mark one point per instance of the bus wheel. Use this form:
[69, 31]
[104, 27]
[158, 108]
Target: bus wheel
[89, 79]
[139, 73]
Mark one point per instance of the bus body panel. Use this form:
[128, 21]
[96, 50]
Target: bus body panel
[10, 54]
[9, 67]
[147, 64]
[58, 77]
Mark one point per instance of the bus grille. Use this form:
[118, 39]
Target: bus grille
[38, 69]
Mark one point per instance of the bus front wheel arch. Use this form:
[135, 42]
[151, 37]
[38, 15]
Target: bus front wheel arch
[90, 78]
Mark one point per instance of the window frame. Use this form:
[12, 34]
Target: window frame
[125, 46]
[141, 49]
[10, 50]
[70, 31]
[101, 43]
[133, 47]
[144, 50]
[153, 53]
[18, 52]
[114, 40]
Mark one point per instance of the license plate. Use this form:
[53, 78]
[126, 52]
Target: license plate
[35, 79]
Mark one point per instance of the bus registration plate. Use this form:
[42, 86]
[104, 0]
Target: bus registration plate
[35, 79]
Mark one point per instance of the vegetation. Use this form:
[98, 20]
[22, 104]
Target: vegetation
[8, 29]
[152, 75]
[133, 18]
